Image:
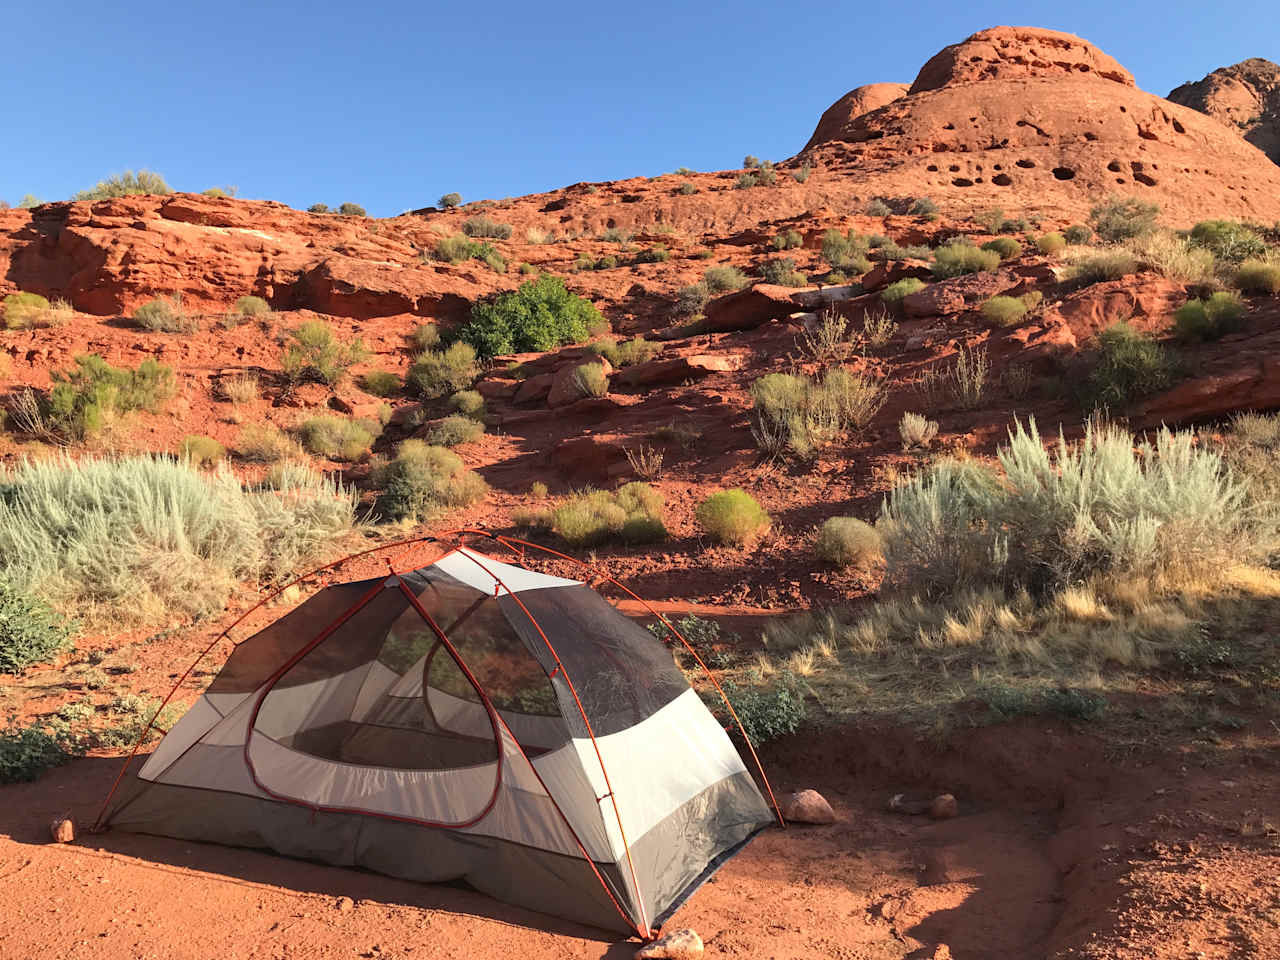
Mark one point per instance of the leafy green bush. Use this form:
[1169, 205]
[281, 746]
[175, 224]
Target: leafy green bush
[83, 397]
[540, 316]
[766, 713]
[1129, 365]
[724, 279]
[848, 542]
[449, 200]
[961, 257]
[1051, 244]
[482, 226]
[732, 517]
[455, 430]
[317, 354]
[252, 307]
[1228, 240]
[456, 249]
[30, 630]
[164, 315]
[201, 451]
[151, 538]
[337, 438]
[1006, 247]
[23, 310]
[1004, 311]
[782, 271]
[1199, 320]
[1123, 218]
[899, 290]
[878, 208]
[1256, 276]
[469, 403]
[633, 514]
[423, 479]
[787, 240]
[381, 383]
[124, 185]
[1105, 265]
[702, 634]
[923, 207]
[351, 210]
[1077, 234]
[27, 752]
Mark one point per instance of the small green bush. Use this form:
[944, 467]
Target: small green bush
[1256, 276]
[318, 208]
[381, 383]
[766, 712]
[23, 310]
[732, 517]
[848, 542]
[541, 315]
[846, 252]
[27, 752]
[425, 336]
[878, 208]
[802, 174]
[782, 271]
[766, 176]
[164, 315]
[423, 479]
[691, 299]
[469, 403]
[84, 396]
[655, 254]
[1228, 240]
[31, 631]
[1123, 218]
[1077, 234]
[787, 240]
[633, 514]
[615, 235]
[591, 380]
[1051, 244]
[317, 354]
[746, 181]
[437, 373]
[628, 353]
[798, 416]
[337, 438]
[266, 443]
[1006, 247]
[1199, 320]
[455, 430]
[1004, 311]
[750, 163]
[201, 451]
[724, 279]
[960, 257]
[252, 307]
[899, 290]
[449, 200]
[482, 226]
[125, 185]
[1129, 365]
[1105, 265]
[492, 259]
[351, 210]
[456, 249]
[923, 207]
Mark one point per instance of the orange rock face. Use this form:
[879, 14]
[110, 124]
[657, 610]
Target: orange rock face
[1006, 53]
[1245, 97]
[852, 105]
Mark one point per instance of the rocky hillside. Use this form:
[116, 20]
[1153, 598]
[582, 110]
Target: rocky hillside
[1245, 97]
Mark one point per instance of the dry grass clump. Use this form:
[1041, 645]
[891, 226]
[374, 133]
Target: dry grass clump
[437, 373]
[202, 452]
[916, 430]
[241, 388]
[591, 380]
[628, 353]
[316, 353]
[724, 279]
[337, 438]
[251, 306]
[455, 430]
[1101, 265]
[1198, 320]
[165, 315]
[960, 256]
[732, 517]
[1258, 276]
[963, 382]
[1175, 257]
[796, 415]
[848, 542]
[381, 383]
[1051, 244]
[468, 403]
[424, 479]
[26, 311]
[632, 514]
[266, 443]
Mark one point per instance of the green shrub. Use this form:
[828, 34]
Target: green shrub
[425, 336]
[337, 438]
[469, 403]
[150, 538]
[1129, 365]
[799, 416]
[892, 251]
[1105, 265]
[1063, 514]
[423, 479]
[899, 290]
[787, 240]
[746, 181]
[724, 279]
[1077, 234]
[540, 316]
[782, 271]
[30, 630]
[848, 542]
[1006, 247]
[27, 752]
[961, 257]
[317, 354]
[923, 207]
[766, 176]
[686, 189]
[750, 163]
[164, 315]
[878, 208]
[124, 185]
[482, 226]
[766, 712]
[492, 259]
[266, 443]
[802, 174]
[591, 380]
[455, 430]
[318, 208]
[633, 514]
[252, 307]
[449, 200]
[539, 490]
[1256, 276]
[691, 299]
[1123, 218]
[351, 210]
[846, 251]
[83, 397]
[381, 383]
[1228, 240]
[1199, 320]
[23, 310]
[655, 254]
[701, 634]
[732, 517]
[1004, 311]
[628, 353]
[201, 451]
[437, 373]
[1008, 702]
[456, 249]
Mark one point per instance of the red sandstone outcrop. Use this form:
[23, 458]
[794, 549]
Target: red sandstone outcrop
[852, 105]
[1245, 97]
[1006, 53]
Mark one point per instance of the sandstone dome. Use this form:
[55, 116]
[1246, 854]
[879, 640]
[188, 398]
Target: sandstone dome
[852, 105]
[1035, 119]
[1245, 97]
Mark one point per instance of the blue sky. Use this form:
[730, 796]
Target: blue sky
[390, 104]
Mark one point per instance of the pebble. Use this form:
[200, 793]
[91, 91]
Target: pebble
[806, 806]
[676, 945]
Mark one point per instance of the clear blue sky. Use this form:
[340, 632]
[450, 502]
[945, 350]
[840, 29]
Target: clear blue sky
[390, 104]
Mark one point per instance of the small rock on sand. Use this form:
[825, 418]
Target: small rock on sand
[676, 945]
[62, 829]
[943, 807]
[345, 904]
[807, 806]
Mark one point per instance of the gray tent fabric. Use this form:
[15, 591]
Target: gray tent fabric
[471, 720]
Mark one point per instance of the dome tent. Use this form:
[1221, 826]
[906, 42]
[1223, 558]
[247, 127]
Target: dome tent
[470, 720]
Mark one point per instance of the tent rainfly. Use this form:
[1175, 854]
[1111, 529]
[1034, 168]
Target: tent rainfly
[469, 720]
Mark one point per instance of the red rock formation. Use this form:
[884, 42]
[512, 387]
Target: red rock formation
[1245, 97]
[1006, 53]
[852, 105]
